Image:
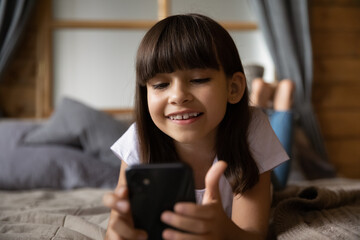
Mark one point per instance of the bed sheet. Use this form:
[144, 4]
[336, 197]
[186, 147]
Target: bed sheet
[320, 209]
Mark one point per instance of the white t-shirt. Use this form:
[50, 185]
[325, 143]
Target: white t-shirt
[265, 147]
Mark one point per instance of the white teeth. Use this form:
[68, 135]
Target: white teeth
[184, 117]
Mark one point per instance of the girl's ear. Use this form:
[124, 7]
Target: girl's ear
[236, 87]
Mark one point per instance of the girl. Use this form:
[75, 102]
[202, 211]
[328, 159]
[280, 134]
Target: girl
[192, 106]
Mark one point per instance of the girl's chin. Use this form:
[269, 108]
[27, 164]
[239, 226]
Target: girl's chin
[183, 140]
[189, 139]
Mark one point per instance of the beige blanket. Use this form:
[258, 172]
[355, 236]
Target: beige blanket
[47, 214]
[323, 209]
[327, 209]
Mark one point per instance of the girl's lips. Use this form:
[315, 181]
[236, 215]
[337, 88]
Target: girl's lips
[184, 117]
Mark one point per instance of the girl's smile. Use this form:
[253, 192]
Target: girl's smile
[185, 117]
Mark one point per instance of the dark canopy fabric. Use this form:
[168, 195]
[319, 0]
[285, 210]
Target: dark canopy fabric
[285, 26]
[13, 17]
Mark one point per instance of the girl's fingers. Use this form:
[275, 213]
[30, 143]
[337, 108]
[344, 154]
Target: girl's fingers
[126, 231]
[185, 223]
[212, 178]
[194, 210]
[120, 225]
[109, 200]
[121, 192]
[122, 206]
[169, 234]
[112, 201]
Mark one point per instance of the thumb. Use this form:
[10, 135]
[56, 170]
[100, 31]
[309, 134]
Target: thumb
[212, 192]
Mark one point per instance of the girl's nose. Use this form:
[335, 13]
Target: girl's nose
[180, 94]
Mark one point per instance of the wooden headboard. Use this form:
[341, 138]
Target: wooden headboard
[29, 93]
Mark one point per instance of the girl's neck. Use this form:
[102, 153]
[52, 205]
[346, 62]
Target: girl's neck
[199, 157]
[191, 153]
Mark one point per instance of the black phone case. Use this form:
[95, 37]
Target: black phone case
[154, 188]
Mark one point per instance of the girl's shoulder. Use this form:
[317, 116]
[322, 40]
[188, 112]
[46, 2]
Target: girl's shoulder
[258, 117]
[126, 147]
[264, 145]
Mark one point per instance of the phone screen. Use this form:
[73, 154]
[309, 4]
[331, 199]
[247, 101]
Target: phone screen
[154, 188]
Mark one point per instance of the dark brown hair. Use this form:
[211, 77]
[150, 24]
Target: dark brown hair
[191, 41]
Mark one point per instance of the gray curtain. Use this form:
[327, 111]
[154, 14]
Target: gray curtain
[285, 26]
[13, 17]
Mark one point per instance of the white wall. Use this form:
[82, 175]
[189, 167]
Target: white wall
[97, 66]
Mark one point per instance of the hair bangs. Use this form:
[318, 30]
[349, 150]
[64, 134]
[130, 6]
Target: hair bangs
[176, 45]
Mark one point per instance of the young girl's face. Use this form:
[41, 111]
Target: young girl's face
[188, 105]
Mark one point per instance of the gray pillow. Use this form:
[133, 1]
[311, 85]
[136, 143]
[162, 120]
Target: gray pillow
[74, 123]
[47, 165]
[253, 71]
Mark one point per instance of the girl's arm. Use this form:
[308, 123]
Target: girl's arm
[120, 224]
[251, 210]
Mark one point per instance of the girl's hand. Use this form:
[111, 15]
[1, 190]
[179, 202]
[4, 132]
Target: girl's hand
[121, 225]
[206, 221]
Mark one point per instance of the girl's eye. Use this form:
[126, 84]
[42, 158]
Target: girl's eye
[160, 85]
[200, 80]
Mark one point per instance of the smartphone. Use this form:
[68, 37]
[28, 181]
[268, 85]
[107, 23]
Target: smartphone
[154, 188]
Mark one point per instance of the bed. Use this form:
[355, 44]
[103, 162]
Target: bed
[54, 173]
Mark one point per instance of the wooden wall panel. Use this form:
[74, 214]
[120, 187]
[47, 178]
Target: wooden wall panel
[340, 124]
[337, 96]
[18, 100]
[330, 17]
[335, 69]
[327, 43]
[345, 155]
[335, 30]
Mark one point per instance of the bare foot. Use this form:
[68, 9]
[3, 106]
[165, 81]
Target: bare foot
[283, 98]
[261, 93]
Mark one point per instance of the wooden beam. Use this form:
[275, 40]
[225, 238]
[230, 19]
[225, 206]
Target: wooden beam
[163, 9]
[229, 25]
[237, 25]
[102, 24]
